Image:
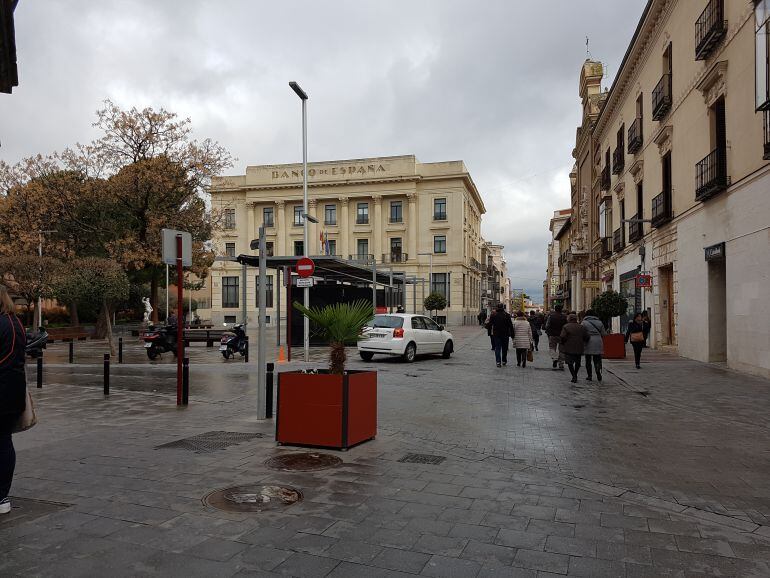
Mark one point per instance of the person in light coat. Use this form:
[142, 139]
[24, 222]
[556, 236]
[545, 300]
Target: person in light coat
[522, 338]
[595, 347]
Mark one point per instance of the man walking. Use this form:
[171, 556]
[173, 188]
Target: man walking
[482, 316]
[573, 339]
[501, 328]
[537, 325]
[553, 326]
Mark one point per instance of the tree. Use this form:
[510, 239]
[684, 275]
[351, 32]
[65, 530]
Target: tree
[30, 277]
[608, 305]
[435, 302]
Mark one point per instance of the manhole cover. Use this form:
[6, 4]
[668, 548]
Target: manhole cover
[303, 462]
[254, 498]
[210, 441]
[422, 459]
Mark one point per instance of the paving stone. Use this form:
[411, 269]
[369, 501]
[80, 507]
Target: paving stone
[485, 553]
[443, 488]
[517, 539]
[217, 549]
[496, 571]
[545, 561]
[263, 558]
[440, 545]
[623, 552]
[404, 539]
[704, 546]
[599, 533]
[625, 522]
[311, 543]
[485, 534]
[270, 537]
[446, 567]
[593, 568]
[538, 512]
[551, 528]
[401, 560]
[352, 570]
[503, 521]
[429, 526]
[673, 527]
[571, 546]
[306, 566]
[462, 516]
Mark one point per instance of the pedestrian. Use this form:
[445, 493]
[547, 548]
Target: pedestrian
[573, 338]
[553, 326]
[482, 316]
[501, 328]
[636, 334]
[522, 338]
[595, 346]
[171, 321]
[536, 322]
[13, 390]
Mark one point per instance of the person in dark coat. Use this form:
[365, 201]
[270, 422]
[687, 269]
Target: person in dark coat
[13, 390]
[636, 333]
[537, 325]
[482, 316]
[501, 326]
[553, 326]
[573, 339]
[594, 349]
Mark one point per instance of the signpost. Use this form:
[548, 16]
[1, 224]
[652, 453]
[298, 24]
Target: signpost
[644, 281]
[177, 250]
[305, 282]
[305, 267]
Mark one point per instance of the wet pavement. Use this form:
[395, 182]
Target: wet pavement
[661, 471]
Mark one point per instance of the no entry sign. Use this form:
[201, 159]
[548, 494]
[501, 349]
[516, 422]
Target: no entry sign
[305, 267]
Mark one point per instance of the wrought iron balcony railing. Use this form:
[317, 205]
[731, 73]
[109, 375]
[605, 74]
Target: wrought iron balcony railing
[618, 161]
[618, 242]
[635, 137]
[710, 29]
[606, 179]
[661, 98]
[635, 229]
[711, 175]
[395, 258]
[364, 258]
[661, 209]
[606, 247]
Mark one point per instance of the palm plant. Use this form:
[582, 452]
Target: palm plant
[339, 323]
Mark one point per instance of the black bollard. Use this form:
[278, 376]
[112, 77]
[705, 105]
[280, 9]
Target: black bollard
[120, 350]
[185, 380]
[40, 370]
[72, 352]
[269, 392]
[106, 374]
[246, 349]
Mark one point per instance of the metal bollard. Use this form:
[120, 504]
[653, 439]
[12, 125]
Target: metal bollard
[246, 355]
[185, 380]
[106, 374]
[40, 371]
[269, 392]
[120, 350]
[72, 352]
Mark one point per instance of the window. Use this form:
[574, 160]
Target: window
[439, 209]
[330, 215]
[439, 244]
[230, 249]
[440, 285]
[230, 292]
[640, 200]
[362, 214]
[230, 219]
[430, 325]
[299, 248]
[605, 221]
[622, 207]
[418, 323]
[269, 248]
[395, 249]
[396, 212]
[362, 248]
[298, 220]
[230, 319]
[762, 16]
[332, 247]
[267, 217]
[268, 291]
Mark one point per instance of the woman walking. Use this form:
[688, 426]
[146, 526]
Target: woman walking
[573, 339]
[13, 390]
[595, 346]
[522, 338]
[636, 334]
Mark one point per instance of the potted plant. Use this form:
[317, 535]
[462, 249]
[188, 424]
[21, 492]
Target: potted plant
[333, 407]
[608, 305]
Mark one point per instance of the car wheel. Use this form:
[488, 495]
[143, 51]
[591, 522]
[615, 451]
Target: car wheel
[410, 353]
[366, 355]
[448, 349]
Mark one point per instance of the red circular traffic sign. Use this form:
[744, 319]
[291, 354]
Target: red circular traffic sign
[305, 267]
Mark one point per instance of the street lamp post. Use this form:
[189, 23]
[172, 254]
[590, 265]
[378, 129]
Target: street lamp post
[306, 291]
[430, 270]
[40, 254]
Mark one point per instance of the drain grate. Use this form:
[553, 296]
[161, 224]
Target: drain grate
[211, 441]
[303, 462]
[422, 459]
[253, 498]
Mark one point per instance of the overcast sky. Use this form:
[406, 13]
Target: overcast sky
[491, 82]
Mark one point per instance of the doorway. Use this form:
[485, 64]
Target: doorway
[717, 311]
[666, 296]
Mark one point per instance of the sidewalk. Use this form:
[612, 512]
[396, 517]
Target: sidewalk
[538, 478]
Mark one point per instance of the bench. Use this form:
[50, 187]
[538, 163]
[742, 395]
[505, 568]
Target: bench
[203, 335]
[67, 334]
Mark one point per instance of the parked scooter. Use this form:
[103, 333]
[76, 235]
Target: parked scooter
[160, 340]
[234, 341]
[36, 343]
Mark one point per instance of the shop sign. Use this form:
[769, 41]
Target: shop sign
[644, 281]
[592, 284]
[715, 252]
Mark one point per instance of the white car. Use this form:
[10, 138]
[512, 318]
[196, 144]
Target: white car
[405, 335]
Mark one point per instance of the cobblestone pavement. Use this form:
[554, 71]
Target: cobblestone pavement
[657, 472]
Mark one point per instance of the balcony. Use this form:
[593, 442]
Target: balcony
[766, 115]
[711, 175]
[606, 178]
[618, 242]
[618, 161]
[710, 29]
[635, 230]
[361, 220]
[395, 258]
[364, 258]
[661, 209]
[635, 137]
[606, 247]
[661, 98]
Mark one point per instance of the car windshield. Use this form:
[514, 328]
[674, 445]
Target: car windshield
[387, 321]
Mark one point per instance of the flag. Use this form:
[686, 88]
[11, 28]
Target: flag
[321, 237]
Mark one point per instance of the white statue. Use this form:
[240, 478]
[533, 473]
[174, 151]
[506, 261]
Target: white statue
[147, 309]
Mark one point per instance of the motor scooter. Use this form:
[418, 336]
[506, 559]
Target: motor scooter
[160, 340]
[36, 343]
[234, 341]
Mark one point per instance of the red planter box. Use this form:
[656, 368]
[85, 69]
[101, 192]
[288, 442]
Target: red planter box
[614, 346]
[326, 410]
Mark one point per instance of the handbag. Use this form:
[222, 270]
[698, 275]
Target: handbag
[28, 418]
[530, 355]
[637, 337]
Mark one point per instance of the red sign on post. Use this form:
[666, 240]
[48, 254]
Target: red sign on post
[305, 267]
[644, 281]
